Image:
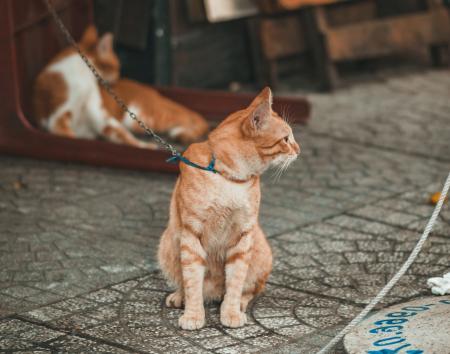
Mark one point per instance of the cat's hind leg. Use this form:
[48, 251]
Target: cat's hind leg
[109, 128]
[259, 268]
[188, 129]
[62, 124]
[245, 299]
[169, 262]
[114, 131]
[175, 299]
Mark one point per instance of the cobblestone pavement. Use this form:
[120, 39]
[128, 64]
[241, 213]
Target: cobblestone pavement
[77, 243]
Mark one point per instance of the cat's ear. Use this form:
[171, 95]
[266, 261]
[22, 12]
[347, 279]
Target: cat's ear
[105, 45]
[264, 95]
[89, 38]
[260, 111]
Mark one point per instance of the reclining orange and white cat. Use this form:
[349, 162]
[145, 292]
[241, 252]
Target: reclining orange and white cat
[68, 101]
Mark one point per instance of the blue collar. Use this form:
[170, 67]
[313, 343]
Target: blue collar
[178, 157]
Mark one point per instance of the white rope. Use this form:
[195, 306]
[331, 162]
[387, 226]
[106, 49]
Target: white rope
[397, 276]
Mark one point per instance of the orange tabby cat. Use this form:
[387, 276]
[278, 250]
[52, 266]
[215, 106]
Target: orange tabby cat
[213, 247]
[68, 101]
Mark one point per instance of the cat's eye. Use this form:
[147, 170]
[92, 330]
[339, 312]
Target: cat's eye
[286, 139]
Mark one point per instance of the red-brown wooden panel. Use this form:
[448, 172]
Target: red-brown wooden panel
[216, 105]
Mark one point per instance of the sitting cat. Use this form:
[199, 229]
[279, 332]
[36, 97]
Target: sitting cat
[68, 101]
[213, 247]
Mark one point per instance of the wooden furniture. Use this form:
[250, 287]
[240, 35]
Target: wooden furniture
[287, 29]
[334, 31]
[273, 39]
[28, 39]
[371, 35]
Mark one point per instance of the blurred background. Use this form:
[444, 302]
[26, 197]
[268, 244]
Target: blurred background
[304, 44]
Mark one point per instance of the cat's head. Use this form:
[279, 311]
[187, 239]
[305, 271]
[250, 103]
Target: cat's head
[255, 139]
[100, 51]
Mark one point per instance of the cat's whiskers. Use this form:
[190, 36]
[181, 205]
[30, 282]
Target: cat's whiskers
[284, 112]
[288, 116]
[277, 167]
[282, 167]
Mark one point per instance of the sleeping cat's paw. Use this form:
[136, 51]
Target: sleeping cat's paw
[233, 319]
[175, 300]
[191, 321]
[150, 146]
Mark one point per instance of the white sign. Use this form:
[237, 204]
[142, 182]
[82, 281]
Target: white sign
[219, 10]
[417, 327]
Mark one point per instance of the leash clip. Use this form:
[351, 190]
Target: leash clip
[179, 158]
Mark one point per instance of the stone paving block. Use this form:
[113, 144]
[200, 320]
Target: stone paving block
[71, 344]
[391, 127]
[294, 331]
[16, 334]
[76, 322]
[277, 322]
[297, 262]
[9, 305]
[337, 246]
[372, 246]
[360, 257]
[306, 273]
[15, 344]
[267, 312]
[20, 291]
[125, 286]
[330, 259]
[310, 286]
[386, 216]
[46, 314]
[14, 326]
[103, 296]
[267, 341]
[310, 312]
[238, 349]
[217, 342]
[202, 333]
[297, 235]
[323, 322]
[246, 331]
[362, 225]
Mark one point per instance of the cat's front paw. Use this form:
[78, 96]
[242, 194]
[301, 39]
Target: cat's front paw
[191, 321]
[233, 319]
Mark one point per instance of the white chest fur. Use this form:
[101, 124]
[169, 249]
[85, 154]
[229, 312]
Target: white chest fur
[231, 195]
[231, 210]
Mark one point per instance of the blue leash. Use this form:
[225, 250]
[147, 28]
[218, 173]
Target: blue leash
[178, 157]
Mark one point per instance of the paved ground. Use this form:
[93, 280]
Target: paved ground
[77, 243]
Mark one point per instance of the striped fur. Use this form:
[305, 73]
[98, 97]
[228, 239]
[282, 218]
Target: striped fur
[213, 247]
